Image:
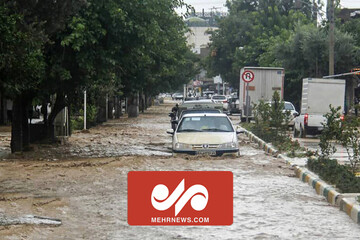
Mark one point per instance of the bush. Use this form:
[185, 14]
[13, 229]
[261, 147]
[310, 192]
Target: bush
[345, 133]
[77, 122]
[271, 124]
[340, 175]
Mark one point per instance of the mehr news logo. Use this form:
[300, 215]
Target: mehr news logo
[197, 198]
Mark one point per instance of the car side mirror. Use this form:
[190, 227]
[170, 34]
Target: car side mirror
[170, 131]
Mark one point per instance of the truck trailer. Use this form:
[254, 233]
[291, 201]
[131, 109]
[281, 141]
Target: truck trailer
[266, 80]
[317, 95]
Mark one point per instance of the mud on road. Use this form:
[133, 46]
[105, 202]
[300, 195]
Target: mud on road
[84, 183]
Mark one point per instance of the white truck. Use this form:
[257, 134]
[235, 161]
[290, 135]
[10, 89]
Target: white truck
[317, 95]
[266, 80]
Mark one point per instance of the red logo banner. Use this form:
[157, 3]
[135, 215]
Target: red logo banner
[180, 198]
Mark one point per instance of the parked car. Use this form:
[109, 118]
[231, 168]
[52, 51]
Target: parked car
[205, 134]
[177, 96]
[208, 94]
[289, 107]
[234, 106]
[221, 99]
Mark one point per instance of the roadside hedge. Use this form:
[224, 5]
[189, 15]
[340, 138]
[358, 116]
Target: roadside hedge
[332, 172]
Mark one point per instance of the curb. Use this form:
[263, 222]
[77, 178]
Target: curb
[321, 187]
[351, 208]
[347, 205]
[262, 144]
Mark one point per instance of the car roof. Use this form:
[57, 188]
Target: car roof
[199, 101]
[205, 114]
[272, 102]
[201, 110]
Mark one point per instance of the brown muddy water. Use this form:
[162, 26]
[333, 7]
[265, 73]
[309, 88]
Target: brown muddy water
[84, 184]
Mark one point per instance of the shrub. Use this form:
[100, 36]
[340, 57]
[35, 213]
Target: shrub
[271, 124]
[340, 175]
[77, 122]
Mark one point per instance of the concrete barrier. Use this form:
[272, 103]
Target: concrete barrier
[262, 144]
[351, 207]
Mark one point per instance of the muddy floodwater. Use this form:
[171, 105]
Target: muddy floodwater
[83, 183]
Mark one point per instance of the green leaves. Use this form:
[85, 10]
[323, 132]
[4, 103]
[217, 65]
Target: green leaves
[22, 65]
[256, 26]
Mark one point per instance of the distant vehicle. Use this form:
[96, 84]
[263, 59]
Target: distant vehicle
[234, 105]
[195, 106]
[208, 94]
[192, 111]
[221, 99]
[205, 134]
[317, 95]
[288, 106]
[191, 98]
[199, 105]
[178, 96]
[266, 81]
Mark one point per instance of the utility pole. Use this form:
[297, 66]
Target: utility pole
[331, 18]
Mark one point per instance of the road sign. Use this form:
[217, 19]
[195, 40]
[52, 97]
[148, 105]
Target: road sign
[248, 76]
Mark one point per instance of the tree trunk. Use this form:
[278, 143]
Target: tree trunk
[101, 109]
[149, 101]
[146, 102]
[2, 109]
[25, 123]
[58, 106]
[69, 119]
[110, 107]
[117, 108]
[142, 102]
[16, 125]
[133, 105]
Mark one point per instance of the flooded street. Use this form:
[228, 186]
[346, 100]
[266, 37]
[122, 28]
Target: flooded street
[84, 184]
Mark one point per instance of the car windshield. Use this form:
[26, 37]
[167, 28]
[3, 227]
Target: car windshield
[288, 106]
[205, 124]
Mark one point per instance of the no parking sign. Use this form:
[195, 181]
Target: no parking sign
[247, 76]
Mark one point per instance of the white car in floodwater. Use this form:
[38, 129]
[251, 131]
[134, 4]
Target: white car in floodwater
[205, 134]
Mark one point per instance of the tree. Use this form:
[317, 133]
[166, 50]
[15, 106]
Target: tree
[22, 68]
[245, 35]
[305, 54]
[106, 47]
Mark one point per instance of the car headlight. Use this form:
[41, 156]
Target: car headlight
[182, 146]
[229, 145]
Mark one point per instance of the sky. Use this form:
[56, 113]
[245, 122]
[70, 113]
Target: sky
[207, 4]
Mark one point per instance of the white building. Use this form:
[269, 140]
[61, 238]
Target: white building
[198, 36]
